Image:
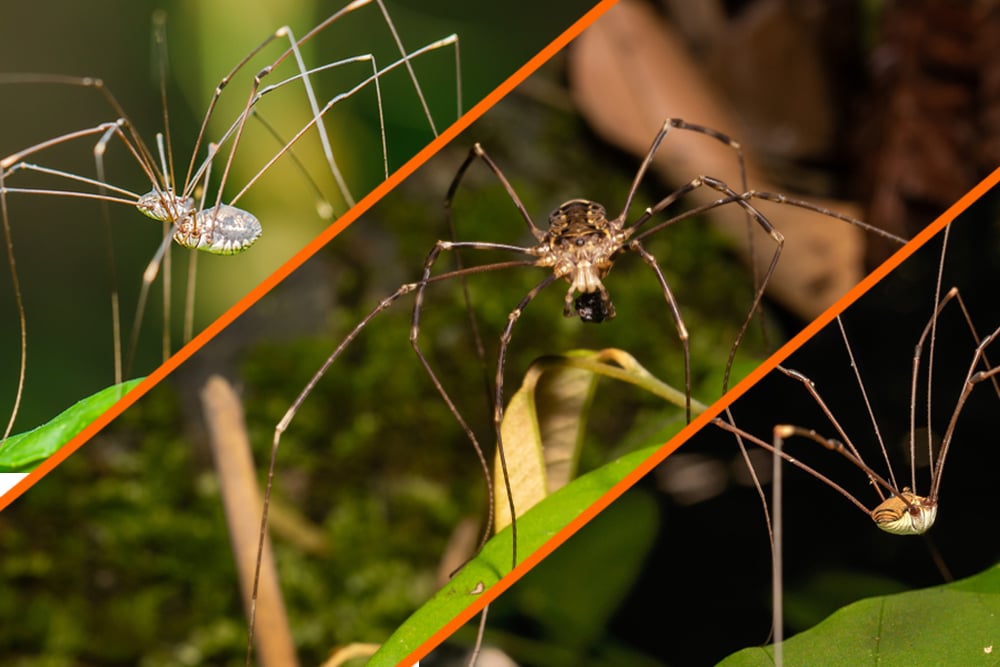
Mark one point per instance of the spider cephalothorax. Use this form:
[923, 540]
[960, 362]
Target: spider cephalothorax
[580, 246]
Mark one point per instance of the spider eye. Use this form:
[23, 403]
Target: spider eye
[591, 307]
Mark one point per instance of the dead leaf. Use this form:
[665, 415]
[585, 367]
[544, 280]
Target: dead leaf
[543, 425]
[542, 431]
[629, 72]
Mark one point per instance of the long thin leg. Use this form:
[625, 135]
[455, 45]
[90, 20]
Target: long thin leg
[498, 397]
[19, 305]
[777, 552]
[810, 387]
[294, 49]
[972, 379]
[756, 485]
[418, 301]
[14, 163]
[743, 200]
[778, 198]
[677, 123]
[952, 294]
[787, 431]
[116, 326]
[451, 40]
[145, 157]
[867, 402]
[731, 197]
[282, 426]
[675, 312]
[289, 415]
[477, 151]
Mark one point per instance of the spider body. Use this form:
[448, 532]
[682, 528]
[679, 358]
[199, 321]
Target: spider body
[581, 246]
[165, 205]
[906, 514]
[220, 230]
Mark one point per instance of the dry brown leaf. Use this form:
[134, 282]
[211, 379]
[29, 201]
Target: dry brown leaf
[629, 72]
[542, 430]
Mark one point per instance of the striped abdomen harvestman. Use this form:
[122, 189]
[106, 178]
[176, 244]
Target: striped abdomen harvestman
[904, 506]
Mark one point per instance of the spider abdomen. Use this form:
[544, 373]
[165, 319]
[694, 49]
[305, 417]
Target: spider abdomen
[222, 230]
[906, 514]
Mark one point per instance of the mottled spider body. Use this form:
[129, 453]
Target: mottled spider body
[581, 246]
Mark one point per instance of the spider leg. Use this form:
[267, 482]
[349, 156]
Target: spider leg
[785, 431]
[418, 302]
[289, 415]
[19, 303]
[731, 197]
[778, 198]
[283, 425]
[972, 379]
[989, 373]
[677, 123]
[477, 151]
[498, 396]
[682, 332]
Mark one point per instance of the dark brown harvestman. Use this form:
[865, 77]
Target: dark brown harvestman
[215, 227]
[580, 247]
[901, 510]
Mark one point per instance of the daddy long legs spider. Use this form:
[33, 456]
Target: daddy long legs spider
[22, 177]
[907, 505]
[828, 553]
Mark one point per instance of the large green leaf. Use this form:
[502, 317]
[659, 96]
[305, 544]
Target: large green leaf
[535, 528]
[951, 624]
[24, 451]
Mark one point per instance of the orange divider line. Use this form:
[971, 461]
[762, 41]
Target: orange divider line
[701, 420]
[308, 251]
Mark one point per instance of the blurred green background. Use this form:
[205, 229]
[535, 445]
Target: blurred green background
[60, 251]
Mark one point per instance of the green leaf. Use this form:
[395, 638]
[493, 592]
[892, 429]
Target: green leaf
[951, 624]
[571, 618]
[24, 451]
[535, 528]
